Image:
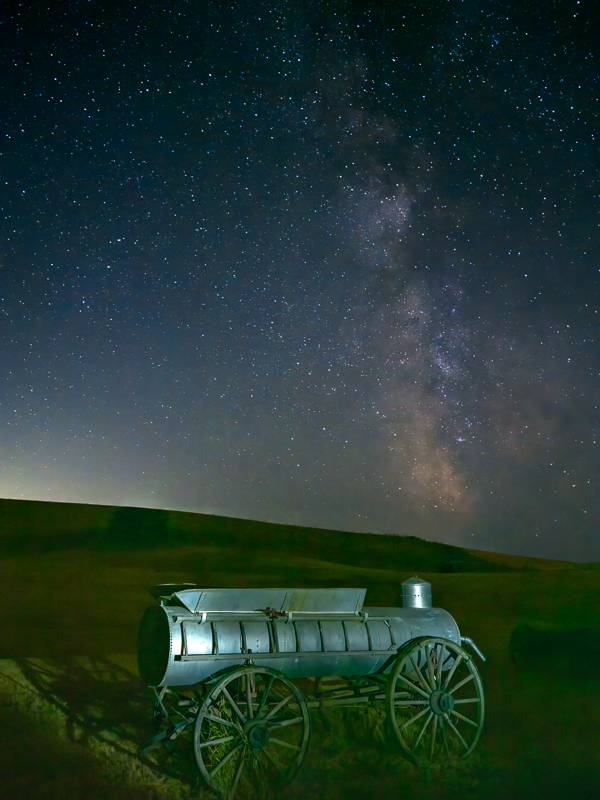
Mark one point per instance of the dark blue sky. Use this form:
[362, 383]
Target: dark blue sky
[326, 263]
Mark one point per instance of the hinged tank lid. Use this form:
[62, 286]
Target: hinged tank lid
[304, 601]
[416, 593]
[165, 590]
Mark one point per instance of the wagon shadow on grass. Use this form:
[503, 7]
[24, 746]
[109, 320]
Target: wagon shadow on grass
[103, 703]
[102, 698]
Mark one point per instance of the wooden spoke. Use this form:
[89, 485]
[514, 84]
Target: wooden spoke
[273, 764]
[417, 669]
[445, 739]
[284, 723]
[453, 669]
[224, 761]
[233, 704]
[435, 724]
[430, 668]
[263, 699]
[238, 773]
[413, 686]
[450, 723]
[220, 721]
[413, 719]
[468, 700]
[279, 706]
[427, 721]
[447, 659]
[440, 665]
[411, 703]
[249, 698]
[466, 719]
[273, 740]
[462, 683]
[213, 742]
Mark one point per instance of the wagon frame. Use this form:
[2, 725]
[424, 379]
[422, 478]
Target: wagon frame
[251, 721]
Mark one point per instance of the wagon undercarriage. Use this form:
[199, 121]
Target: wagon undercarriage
[250, 723]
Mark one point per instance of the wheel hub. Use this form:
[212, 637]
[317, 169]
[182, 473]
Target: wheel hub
[257, 734]
[441, 702]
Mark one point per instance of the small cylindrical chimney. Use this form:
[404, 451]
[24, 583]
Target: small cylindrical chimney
[416, 593]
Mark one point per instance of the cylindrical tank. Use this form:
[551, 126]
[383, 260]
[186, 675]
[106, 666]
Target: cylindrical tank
[308, 633]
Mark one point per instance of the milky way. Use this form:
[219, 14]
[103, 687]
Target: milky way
[331, 264]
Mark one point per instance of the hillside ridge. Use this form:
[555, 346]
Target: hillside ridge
[34, 526]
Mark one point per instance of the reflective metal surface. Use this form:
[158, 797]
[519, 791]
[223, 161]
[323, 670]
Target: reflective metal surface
[309, 635]
[178, 646]
[306, 601]
[416, 593]
[333, 635]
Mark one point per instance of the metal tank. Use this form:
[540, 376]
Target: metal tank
[195, 633]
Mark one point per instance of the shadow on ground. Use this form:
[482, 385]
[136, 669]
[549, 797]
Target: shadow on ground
[71, 728]
[45, 723]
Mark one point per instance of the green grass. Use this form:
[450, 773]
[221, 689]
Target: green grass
[31, 527]
[73, 593]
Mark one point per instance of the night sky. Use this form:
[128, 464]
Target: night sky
[329, 263]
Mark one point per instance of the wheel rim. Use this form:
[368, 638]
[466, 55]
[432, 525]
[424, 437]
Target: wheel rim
[251, 733]
[434, 701]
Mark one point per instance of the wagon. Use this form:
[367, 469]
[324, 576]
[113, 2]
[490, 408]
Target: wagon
[244, 667]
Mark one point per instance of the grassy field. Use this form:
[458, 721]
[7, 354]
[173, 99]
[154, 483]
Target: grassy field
[73, 711]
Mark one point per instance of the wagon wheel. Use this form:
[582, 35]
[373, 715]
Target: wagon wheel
[434, 701]
[251, 733]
